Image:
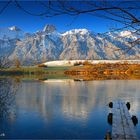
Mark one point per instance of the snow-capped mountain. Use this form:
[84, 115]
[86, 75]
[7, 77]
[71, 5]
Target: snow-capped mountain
[48, 44]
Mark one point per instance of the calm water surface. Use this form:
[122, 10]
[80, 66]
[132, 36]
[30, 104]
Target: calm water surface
[62, 109]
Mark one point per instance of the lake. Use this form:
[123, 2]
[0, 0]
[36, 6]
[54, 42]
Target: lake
[62, 108]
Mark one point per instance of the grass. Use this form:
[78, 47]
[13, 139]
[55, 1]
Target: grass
[34, 72]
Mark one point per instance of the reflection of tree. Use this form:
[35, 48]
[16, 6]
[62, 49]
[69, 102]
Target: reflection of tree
[105, 72]
[8, 89]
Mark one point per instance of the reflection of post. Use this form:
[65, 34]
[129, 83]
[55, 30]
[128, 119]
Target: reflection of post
[8, 89]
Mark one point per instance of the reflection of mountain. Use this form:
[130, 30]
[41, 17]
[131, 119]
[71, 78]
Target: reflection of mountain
[54, 97]
[75, 104]
[33, 98]
[73, 99]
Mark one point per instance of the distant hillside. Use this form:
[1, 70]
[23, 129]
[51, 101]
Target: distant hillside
[48, 44]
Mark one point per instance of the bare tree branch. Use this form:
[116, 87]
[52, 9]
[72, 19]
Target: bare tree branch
[26, 11]
[120, 11]
[5, 6]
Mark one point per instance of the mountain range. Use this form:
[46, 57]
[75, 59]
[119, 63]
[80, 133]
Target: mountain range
[49, 44]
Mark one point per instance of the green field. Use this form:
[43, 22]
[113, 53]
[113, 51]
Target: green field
[34, 72]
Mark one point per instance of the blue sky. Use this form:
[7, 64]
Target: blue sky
[14, 16]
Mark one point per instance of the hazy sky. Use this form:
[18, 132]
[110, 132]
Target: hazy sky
[12, 15]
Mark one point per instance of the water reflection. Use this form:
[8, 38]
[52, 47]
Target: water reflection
[51, 97]
[8, 88]
[105, 72]
[66, 108]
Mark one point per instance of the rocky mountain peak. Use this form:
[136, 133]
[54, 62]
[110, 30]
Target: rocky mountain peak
[14, 28]
[49, 28]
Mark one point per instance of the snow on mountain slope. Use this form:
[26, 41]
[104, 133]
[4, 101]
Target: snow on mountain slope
[125, 33]
[76, 31]
[48, 44]
[72, 62]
